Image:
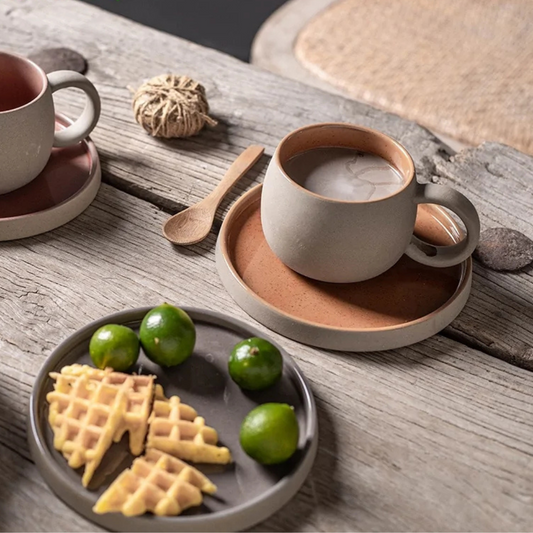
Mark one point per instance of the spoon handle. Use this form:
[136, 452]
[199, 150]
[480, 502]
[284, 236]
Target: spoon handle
[236, 171]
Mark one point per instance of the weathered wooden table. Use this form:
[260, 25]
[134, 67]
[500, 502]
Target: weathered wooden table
[437, 436]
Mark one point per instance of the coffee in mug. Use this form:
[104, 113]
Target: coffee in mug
[27, 118]
[344, 174]
[339, 204]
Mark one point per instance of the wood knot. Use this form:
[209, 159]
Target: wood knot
[172, 106]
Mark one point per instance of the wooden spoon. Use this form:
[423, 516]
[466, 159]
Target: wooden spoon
[193, 224]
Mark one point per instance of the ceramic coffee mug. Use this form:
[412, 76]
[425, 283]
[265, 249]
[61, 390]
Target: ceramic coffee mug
[27, 118]
[347, 241]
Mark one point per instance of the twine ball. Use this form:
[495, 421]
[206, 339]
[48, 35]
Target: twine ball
[172, 106]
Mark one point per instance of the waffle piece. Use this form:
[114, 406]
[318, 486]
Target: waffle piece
[176, 428]
[156, 482]
[140, 391]
[89, 408]
[84, 417]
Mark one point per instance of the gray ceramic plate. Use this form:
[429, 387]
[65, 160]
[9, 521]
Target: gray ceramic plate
[247, 492]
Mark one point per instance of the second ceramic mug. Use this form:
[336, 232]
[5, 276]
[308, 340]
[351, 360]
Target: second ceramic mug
[27, 118]
[347, 241]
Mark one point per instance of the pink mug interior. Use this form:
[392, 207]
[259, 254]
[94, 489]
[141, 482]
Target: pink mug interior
[21, 82]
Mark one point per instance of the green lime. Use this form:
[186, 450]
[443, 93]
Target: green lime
[269, 433]
[167, 335]
[114, 346]
[255, 364]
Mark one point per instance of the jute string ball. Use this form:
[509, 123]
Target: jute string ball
[172, 106]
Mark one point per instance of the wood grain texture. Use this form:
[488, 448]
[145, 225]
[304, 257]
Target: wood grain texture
[432, 437]
[251, 105]
[499, 315]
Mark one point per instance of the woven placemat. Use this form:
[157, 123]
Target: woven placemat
[461, 67]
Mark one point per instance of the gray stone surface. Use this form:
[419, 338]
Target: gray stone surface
[51, 59]
[504, 249]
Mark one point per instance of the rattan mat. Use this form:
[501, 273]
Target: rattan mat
[461, 67]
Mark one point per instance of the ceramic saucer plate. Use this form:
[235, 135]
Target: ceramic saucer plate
[62, 191]
[247, 492]
[406, 304]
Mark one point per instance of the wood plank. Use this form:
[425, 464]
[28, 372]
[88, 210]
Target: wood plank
[27, 504]
[432, 437]
[253, 106]
[499, 315]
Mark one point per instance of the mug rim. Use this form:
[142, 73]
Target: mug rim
[41, 73]
[349, 126]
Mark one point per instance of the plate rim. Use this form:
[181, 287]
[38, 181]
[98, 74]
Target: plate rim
[239, 517]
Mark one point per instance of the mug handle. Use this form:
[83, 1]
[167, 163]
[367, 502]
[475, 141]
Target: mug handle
[62, 79]
[445, 256]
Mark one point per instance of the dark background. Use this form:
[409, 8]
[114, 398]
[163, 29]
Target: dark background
[227, 25]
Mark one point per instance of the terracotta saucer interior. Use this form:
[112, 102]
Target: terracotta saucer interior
[247, 492]
[63, 190]
[408, 303]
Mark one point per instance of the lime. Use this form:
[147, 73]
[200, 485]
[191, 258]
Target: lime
[114, 346]
[269, 433]
[255, 364]
[167, 335]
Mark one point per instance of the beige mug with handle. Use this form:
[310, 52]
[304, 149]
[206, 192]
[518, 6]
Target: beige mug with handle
[345, 241]
[27, 118]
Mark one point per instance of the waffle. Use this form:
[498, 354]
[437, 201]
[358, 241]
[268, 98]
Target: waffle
[140, 394]
[176, 428]
[90, 408]
[156, 482]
